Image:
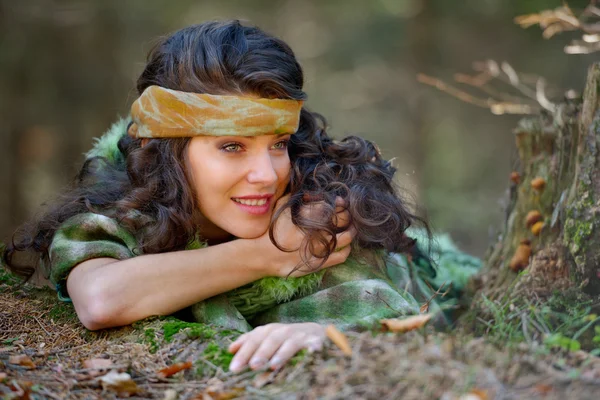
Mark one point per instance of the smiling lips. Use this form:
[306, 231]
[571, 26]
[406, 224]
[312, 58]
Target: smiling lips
[256, 204]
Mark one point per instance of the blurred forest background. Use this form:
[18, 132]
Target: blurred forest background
[68, 68]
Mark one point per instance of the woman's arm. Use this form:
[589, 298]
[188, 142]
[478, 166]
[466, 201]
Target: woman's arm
[107, 292]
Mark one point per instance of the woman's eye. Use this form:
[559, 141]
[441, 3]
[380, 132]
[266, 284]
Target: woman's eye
[231, 147]
[282, 145]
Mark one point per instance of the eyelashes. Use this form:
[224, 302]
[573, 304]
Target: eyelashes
[235, 147]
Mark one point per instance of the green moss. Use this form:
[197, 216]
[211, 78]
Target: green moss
[576, 233]
[215, 355]
[150, 339]
[193, 330]
[301, 355]
[6, 276]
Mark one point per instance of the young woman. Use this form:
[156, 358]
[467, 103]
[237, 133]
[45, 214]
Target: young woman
[222, 195]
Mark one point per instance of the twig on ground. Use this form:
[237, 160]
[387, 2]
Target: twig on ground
[42, 326]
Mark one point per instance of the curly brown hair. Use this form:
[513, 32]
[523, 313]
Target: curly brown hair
[226, 58]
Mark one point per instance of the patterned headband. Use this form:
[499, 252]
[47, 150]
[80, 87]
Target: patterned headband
[166, 113]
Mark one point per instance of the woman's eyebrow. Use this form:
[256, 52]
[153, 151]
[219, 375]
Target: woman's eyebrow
[278, 135]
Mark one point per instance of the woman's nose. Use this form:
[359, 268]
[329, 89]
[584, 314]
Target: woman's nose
[262, 170]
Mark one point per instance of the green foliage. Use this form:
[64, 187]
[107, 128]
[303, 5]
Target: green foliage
[596, 338]
[6, 276]
[301, 355]
[10, 341]
[213, 356]
[150, 339]
[193, 330]
[565, 343]
[565, 322]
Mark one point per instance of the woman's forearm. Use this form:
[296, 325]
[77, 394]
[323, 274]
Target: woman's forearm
[114, 293]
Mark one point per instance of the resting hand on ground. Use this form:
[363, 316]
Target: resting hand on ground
[274, 344]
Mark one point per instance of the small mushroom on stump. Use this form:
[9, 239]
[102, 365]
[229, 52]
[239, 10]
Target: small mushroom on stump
[537, 228]
[532, 218]
[538, 184]
[515, 177]
[520, 260]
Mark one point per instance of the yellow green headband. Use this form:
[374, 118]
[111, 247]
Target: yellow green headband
[166, 113]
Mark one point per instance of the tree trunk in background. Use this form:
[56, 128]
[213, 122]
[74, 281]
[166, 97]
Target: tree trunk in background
[560, 179]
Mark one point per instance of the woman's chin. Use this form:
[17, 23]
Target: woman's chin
[249, 232]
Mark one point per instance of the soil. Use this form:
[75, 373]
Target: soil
[55, 353]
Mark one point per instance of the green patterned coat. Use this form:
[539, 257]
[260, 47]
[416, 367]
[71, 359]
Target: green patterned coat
[369, 286]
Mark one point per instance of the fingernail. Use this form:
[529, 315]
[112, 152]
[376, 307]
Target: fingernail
[275, 362]
[235, 366]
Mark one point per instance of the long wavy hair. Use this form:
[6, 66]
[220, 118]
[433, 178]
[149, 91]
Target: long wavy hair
[226, 58]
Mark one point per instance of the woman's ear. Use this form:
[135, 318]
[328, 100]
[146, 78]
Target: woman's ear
[145, 142]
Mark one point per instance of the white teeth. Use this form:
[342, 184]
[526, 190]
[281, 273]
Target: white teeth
[254, 202]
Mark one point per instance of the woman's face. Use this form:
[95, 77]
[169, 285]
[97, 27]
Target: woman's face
[237, 181]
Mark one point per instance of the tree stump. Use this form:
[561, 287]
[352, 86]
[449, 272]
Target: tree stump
[551, 229]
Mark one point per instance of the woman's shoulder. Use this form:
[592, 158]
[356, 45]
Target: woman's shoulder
[91, 227]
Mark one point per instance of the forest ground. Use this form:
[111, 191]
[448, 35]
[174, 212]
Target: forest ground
[45, 353]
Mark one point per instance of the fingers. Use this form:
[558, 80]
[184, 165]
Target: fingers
[275, 344]
[247, 348]
[237, 343]
[345, 238]
[268, 347]
[342, 215]
[314, 211]
[287, 349]
[338, 257]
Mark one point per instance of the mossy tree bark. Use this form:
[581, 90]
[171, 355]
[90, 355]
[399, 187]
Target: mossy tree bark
[559, 177]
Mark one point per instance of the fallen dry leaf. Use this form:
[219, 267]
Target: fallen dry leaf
[220, 395]
[339, 339]
[120, 383]
[173, 369]
[479, 393]
[22, 360]
[97, 363]
[406, 324]
[542, 388]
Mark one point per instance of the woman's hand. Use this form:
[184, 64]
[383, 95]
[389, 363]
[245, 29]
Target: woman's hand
[289, 236]
[274, 344]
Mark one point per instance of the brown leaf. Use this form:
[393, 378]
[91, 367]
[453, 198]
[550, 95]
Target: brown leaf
[22, 360]
[542, 388]
[220, 395]
[406, 324]
[339, 339]
[97, 363]
[173, 369]
[120, 383]
[479, 393]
